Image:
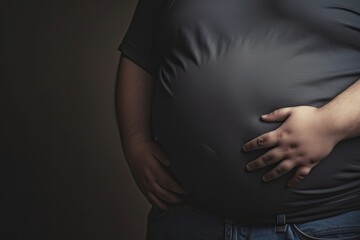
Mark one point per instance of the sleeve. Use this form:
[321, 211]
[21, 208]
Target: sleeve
[141, 42]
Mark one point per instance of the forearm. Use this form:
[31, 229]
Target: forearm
[133, 103]
[343, 112]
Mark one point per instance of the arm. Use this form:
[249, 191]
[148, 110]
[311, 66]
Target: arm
[144, 156]
[133, 97]
[307, 135]
[344, 112]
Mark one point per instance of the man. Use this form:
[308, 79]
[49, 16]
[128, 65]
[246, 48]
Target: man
[195, 78]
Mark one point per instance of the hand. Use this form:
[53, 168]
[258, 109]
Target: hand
[302, 141]
[146, 160]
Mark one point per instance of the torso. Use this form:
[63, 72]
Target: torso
[225, 64]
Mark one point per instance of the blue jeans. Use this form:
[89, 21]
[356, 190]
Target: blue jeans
[189, 223]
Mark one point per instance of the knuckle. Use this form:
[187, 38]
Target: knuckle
[280, 134]
[292, 146]
[304, 171]
[299, 178]
[298, 162]
[267, 159]
[286, 152]
[313, 161]
[260, 141]
[279, 169]
[301, 154]
[286, 155]
[287, 131]
[286, 165]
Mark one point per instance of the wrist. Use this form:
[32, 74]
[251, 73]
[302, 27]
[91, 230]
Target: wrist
[334, 123]
[129, 140]
[140, 137]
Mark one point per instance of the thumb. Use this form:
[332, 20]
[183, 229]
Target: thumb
[278, 115]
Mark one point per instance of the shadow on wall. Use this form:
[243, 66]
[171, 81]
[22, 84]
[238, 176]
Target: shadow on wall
[64, 176]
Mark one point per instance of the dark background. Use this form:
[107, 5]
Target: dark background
[63, 173]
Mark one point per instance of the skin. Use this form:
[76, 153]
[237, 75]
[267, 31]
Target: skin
[306, 136]
[145, 157]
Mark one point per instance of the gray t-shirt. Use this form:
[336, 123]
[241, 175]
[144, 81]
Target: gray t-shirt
[220, 65]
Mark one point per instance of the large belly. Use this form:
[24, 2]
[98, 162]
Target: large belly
[204, 111]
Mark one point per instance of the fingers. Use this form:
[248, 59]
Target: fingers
[278, 115]
[282, 168]
[272, 156]
[160, 195]
[271, 138]
[164, 179]
[161, 156]
[154, 200]
[265, 140]
[154, 193]
[300, 174]
[168, 182]
[162, 187]
[166, 195]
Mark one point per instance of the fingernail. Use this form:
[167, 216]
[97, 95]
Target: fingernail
[265, 179]
[265, 115]
[244, 148]
[248, 167]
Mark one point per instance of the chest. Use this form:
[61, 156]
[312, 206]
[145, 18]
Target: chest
[211, 20]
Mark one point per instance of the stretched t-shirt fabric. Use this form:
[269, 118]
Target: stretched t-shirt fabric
[220, 65]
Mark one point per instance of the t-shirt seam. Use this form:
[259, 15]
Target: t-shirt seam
[141, 59]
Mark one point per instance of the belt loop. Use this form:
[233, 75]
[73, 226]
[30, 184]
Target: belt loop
[229, 225]
[280, 222]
